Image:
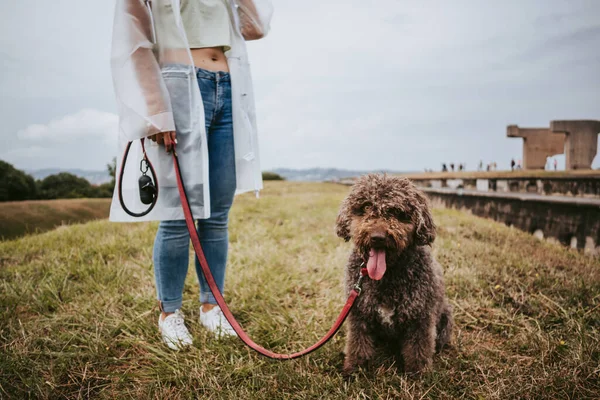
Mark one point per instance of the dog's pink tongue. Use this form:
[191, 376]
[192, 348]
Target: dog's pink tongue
[376, 264]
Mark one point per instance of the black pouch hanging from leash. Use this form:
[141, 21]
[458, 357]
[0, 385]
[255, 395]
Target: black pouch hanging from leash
[148, 190]
[146, 185]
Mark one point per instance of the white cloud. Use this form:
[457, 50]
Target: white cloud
[87, 124]
[87, 139]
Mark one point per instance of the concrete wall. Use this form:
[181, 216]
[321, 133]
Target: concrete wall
[571, 186]
[575, 223]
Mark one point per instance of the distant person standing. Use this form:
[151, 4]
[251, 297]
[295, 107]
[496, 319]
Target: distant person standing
[480, 167]
[555, 164]
[519, 164]
[444, 167]
[452, 166]
[512, 164]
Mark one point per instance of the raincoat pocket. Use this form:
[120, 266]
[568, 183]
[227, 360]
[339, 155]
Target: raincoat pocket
[179, 84]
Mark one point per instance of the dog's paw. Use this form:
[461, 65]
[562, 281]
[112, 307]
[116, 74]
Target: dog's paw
[349, 368]
[348, 376]
[417, 367]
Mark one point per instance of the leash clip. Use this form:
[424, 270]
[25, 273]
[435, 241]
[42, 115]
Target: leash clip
[144, 166]
[361, 275]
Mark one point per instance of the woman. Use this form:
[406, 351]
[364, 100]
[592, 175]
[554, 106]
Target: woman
[181, 76]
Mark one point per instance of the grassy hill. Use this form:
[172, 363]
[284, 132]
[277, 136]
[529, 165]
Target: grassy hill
[79, 314]
[18, 218]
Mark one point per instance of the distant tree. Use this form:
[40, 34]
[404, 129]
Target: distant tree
[65, 186]
[272, 176]
[112, 168]
[15, 184]
[104, 190]
[112, 171]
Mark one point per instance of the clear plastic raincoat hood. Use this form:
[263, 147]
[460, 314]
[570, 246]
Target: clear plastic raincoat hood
[156, 90]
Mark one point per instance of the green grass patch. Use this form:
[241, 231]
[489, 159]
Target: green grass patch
[79, 315]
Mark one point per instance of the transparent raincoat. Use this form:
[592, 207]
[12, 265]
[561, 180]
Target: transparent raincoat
[156, 90]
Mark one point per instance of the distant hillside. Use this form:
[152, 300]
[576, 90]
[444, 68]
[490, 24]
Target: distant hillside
[18, 218]
[290, 174]
[322, 174]
[94, 177]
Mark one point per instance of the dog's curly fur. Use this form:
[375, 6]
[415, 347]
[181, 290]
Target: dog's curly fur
[406, 313]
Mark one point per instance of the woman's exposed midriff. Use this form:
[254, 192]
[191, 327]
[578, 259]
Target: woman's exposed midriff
[210, 58]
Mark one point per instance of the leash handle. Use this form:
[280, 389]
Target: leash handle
[120, 181]
[189, 219]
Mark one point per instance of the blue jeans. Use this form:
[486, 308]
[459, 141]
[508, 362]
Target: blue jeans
[171, 245]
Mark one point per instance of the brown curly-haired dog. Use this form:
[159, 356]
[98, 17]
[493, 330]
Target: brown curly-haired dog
[402, 310]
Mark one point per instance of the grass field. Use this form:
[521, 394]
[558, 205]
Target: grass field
[79, 312]
[18, 218]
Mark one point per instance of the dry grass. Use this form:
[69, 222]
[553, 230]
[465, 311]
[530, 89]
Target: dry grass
[18, 218]
[79, 315]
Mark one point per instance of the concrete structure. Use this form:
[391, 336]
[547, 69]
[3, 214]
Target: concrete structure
[581, 141]
[574, 222]
[538, 145]
[580, 185]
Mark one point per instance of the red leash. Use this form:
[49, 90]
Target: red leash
[189, 219]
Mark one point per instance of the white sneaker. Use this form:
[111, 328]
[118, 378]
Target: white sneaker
[173, 331]
[215, 321]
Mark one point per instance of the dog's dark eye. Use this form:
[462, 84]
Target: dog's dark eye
[365, 208]
[399, 214]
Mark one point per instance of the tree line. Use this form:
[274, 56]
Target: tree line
[17, 185]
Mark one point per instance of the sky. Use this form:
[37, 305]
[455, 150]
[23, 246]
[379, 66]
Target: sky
[399, 85]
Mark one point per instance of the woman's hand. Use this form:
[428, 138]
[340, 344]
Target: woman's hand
[167, 138]
[250, 25]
